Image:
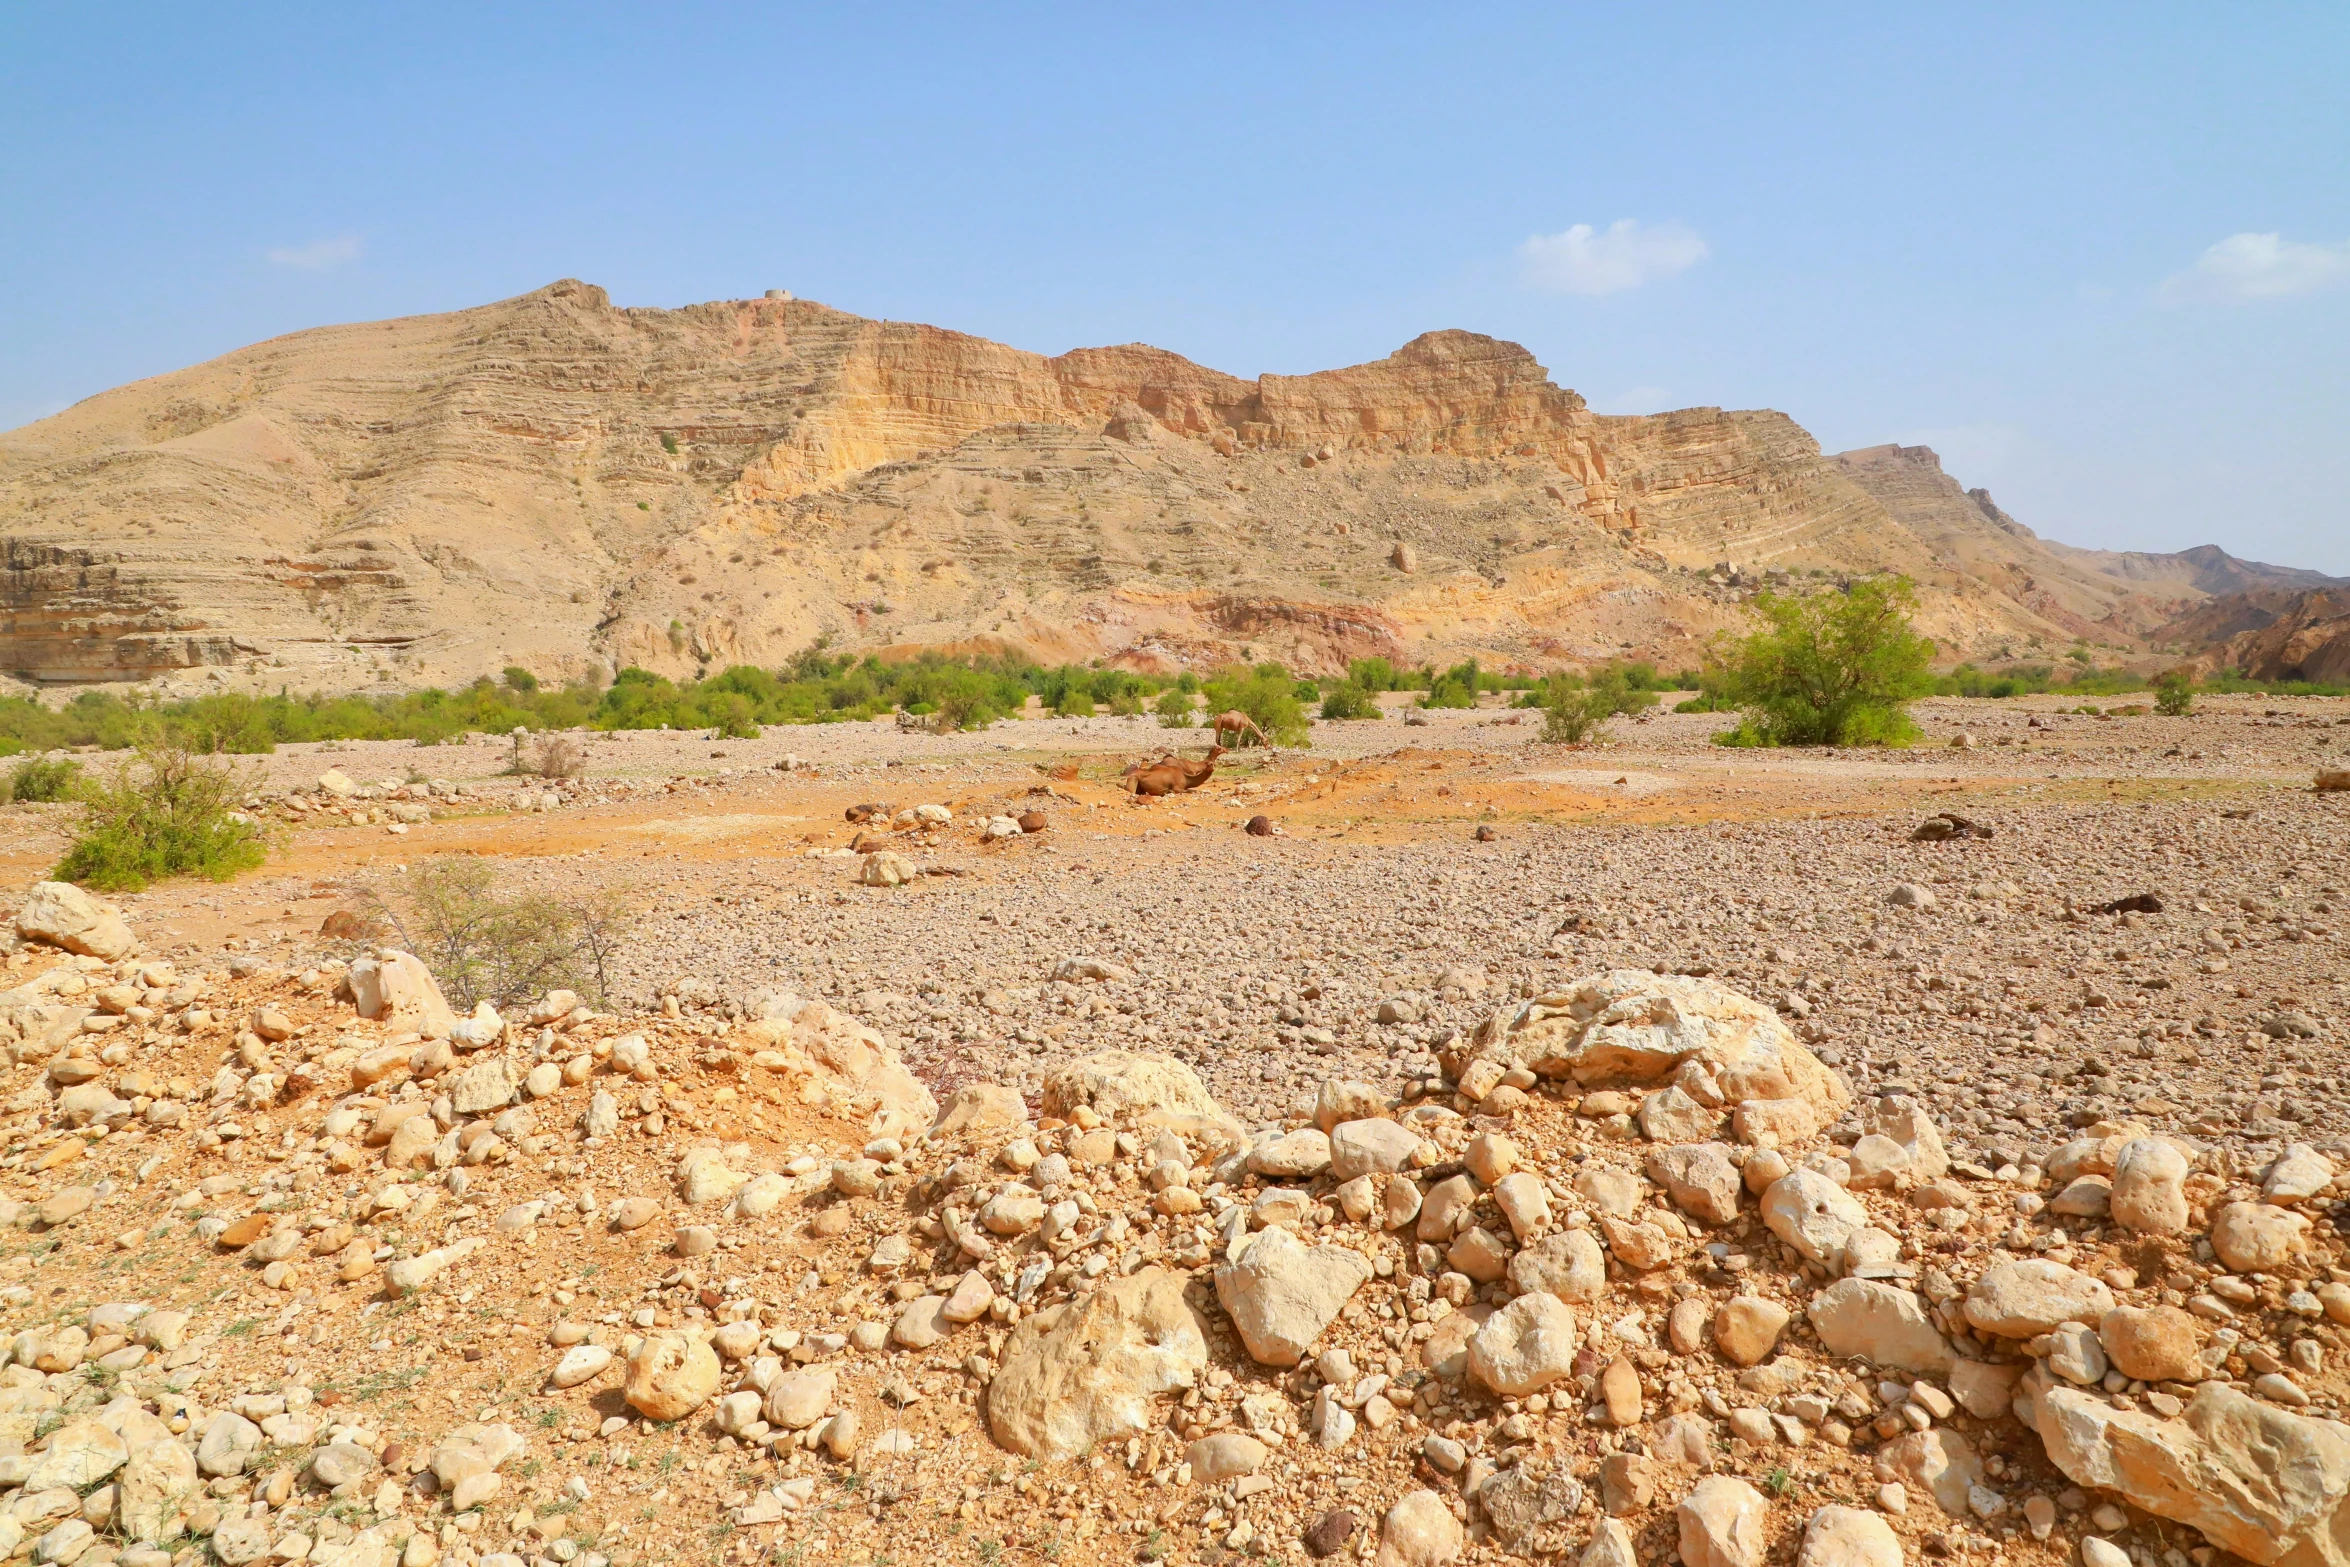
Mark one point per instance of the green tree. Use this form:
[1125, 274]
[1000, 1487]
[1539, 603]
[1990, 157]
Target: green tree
[1348, 700]
[1831, 668]
[1574, 710]
[2174, 693]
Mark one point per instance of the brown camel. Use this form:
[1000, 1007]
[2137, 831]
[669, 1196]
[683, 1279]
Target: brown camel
[1239, 725]
[1171, 774]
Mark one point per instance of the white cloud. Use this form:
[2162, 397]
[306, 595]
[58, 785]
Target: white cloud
[1589, 261]
[320, 255]
[2257, 266]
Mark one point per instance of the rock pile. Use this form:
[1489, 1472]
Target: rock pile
[1630, 1271]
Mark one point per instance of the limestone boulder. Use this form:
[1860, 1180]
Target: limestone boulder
[1564, 1263]
[1531, 1508]
[1420, 1531]
[2149, 1187]
[2297, 1175]
[1370, 1147]
[2270, 1485]
[60, 914]
[981, 1107]
[2258, 1237]
[2020, 1299]
[1150, 1090]
[1839, 1536]
[1089, 1371]
[1525, 1346]
[671, 1375]
[1939, 1462]
[1813, 1214]
[396, 989]
[1281, 1293]
[1700, 1178]
[1863, 1319]
[1723, 1522]
[2153, 1343]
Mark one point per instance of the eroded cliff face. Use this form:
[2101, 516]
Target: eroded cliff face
[553, 482]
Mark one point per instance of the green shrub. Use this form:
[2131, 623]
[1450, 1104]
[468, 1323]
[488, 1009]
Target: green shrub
[165, 812]
[1267, 694]
[1377, 674]
[520, 679]
[41, 779]
[1575, 709]
[1075, 702]
[1349, 700]
[1456, 687]
[1174, 709]
[1831, 668]
[2174, 693]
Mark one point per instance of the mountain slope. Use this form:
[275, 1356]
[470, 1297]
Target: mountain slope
[553, 482]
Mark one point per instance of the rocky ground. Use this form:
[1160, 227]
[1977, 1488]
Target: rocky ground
[1139, 1188]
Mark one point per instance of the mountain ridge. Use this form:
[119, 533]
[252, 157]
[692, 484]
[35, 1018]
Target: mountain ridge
[559, 483]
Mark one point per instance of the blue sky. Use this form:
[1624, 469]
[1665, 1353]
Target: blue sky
[2098, 256]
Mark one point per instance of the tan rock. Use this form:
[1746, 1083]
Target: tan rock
[2258, 1237]
[1525, 1346]
[1089, 1371]
[1812, 1214]
[2149, 1187]
[1565, 1263]
[1700, 1179]
[1282, 1293]
[1747, 1329]
[1723, 1523]
[1619, 1393]
[2153, 1343]
[2021, 1299]
[1863, 1319]
[1147, 1089]
[1420, 1531]
[981, 1107]
[1370, 1147]
[1224, 1455]
[1938, 1461]
[62, 915]
[2269, 1485]
[1839, 1536]
[671, 1375]
[1340, 1100]
[395, 988]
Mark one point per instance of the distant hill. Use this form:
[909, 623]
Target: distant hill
[553, 482]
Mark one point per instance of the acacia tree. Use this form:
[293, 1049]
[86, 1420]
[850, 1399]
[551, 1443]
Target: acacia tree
[1831, 668]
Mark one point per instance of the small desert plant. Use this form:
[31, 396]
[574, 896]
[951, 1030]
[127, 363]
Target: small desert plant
[166, 812]
[1174, 709]
[1074, 703]
[2174, 694]
[1348, 700]
[1573, 710]
[483, 946]
[732, 717]
[40, 778]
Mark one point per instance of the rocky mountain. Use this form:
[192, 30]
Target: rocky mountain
[554, 482]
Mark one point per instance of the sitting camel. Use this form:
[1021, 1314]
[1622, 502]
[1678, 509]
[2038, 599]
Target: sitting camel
[1171, 774]
[1239, 725]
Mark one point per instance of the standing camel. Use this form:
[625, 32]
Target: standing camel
[1239, 725]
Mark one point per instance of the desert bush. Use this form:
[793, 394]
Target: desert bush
[484, 946]
[164, 812]
[1267, 694]
[1575, 709]
[1831, 668]
[38, 778]
[1074, 702]
[1456, 687]
[559, 756]
[2174, 693]
[1175, 710]
[1348, 700]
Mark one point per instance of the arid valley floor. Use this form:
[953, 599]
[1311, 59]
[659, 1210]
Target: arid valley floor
[1331, 1211]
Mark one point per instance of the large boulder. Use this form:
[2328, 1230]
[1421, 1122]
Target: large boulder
[1813, 1214]
[838, 1066]
[1525, 1346]
[2258, 1237]
[395, 988]
[1153, 1090]
[2023, 1299]
[2269, 1485]
[1088, 1371]
[1631, 1026]
[62, 915]
[1723, 1522]
[1419, 1531]
[1281, 1293]
[2149, 1187]
[671, 1375]
[1848, 1537]
[1864, 1320]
